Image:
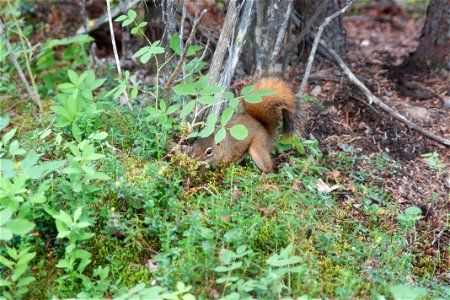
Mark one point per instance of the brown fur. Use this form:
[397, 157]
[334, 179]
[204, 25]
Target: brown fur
[261, 119]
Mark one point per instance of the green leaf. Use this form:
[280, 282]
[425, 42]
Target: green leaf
[77, 214]
[62, 112]
[142, 24]
[6, 262]
[220, 135]
[20, 226]
[29, 161]
[188, 108]
[172, 109]
[207, 100]
[184, 89]
[261, 93]
[175, 43]
[5, 215]
[226, 116]
[227, 95]
[121, 18]
[7, 168]
[413, 211]
[234, 102]
[134, 30]
[5, 234]
[141, 51]
[95, 156]
[24, 259]
[193, 134]
[193, 49]
[8, 136]
[18, 271]
[400, 292]
[98, 136]
[207, 131]
[73, 77]
[202, 82]
[252, 98]
[4, 121]
[239, 132]
[131, 14]
[221, 269]
[247, 90]
[211, 90]
[211, 119]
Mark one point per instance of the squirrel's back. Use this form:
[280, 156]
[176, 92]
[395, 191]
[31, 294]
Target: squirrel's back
[274, 108]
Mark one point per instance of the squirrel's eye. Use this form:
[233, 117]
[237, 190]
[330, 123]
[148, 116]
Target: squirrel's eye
[209, 151]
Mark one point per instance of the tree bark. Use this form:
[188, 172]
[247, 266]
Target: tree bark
[334, 33]
[434, 44]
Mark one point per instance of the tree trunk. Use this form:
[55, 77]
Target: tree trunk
[434, 46]
[316, 11]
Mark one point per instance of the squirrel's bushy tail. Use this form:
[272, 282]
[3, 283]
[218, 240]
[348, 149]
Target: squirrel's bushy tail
[274, 108]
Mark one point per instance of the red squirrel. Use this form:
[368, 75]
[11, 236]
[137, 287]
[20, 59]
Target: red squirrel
[262, 120]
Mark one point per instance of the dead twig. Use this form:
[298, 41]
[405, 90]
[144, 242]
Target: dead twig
[316, 44]
[371, 98]
[116, 55]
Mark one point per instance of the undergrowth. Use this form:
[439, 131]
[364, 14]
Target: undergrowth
[99, 202]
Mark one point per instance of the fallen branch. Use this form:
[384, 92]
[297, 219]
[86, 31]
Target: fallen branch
[383, 106]
[91, 25]
[316, 44]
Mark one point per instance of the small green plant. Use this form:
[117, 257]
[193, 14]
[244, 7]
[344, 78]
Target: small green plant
[432, 159]
[77, 108]
[409, 217]
[17, 263]
[22, 194]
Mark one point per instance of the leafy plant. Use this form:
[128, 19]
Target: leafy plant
[77, 107]
[432, 159]
[18, 264]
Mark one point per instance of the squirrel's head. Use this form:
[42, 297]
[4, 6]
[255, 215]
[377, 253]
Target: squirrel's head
[205, 149]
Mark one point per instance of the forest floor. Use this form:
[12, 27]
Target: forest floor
[376, 49]
[157, 220]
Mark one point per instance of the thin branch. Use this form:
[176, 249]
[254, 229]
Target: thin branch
[316, 43]
[116, 55]
[281, 33]
[373, 99]
[183, 54]
[13, 58]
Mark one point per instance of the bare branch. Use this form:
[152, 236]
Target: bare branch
[13, 58]
[373, 99]
[116, 55]
[316, 43]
